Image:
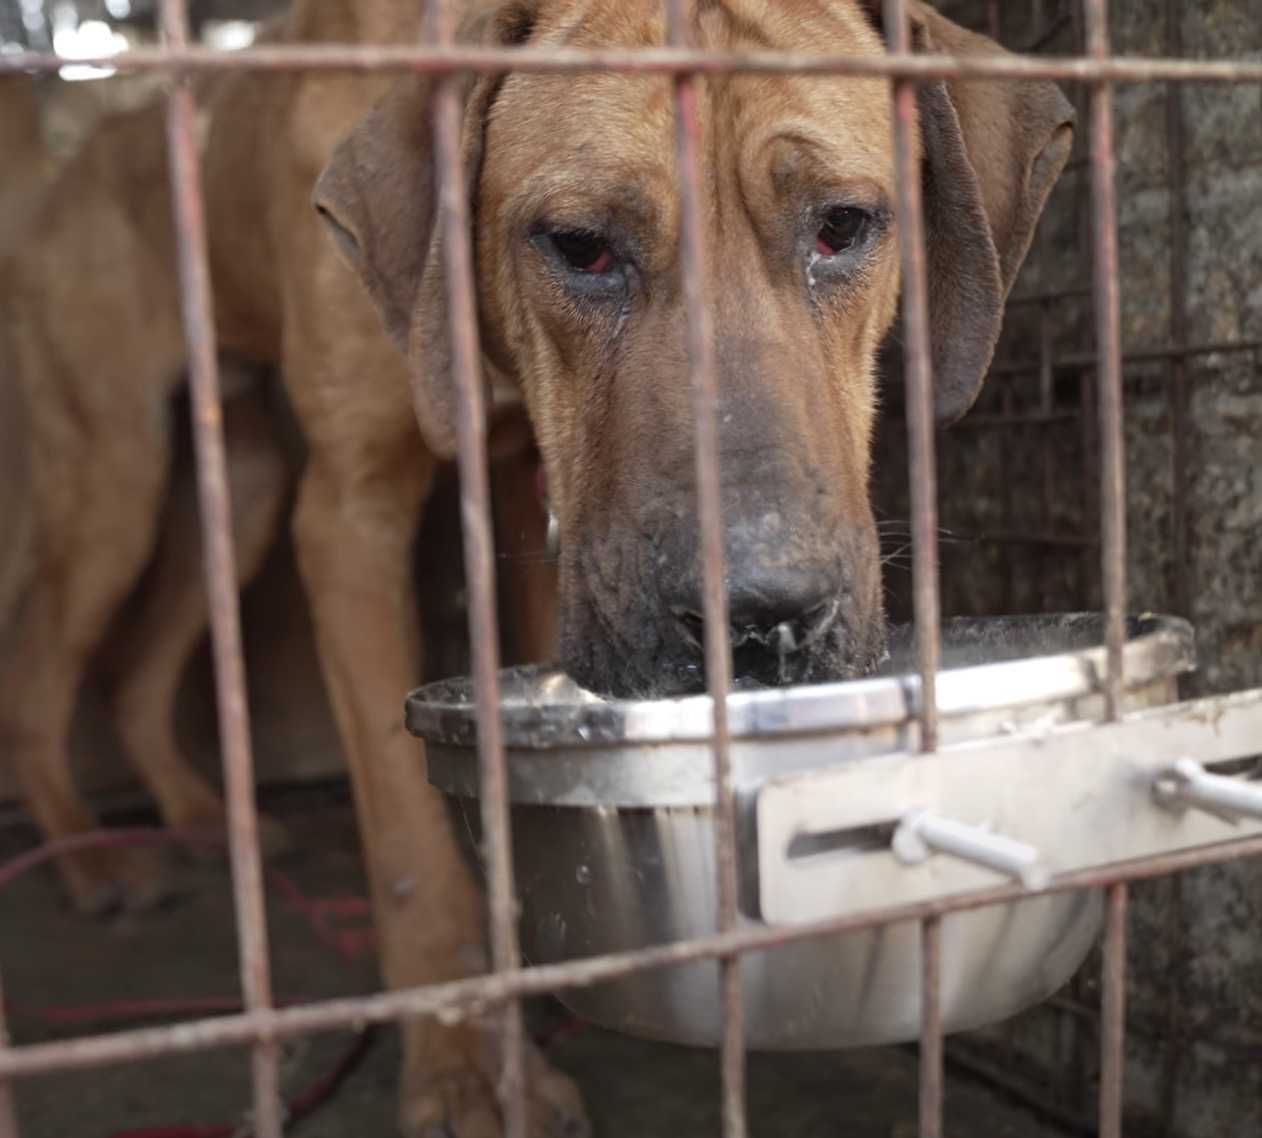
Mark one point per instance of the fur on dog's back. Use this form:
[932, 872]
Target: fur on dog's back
[91, 344]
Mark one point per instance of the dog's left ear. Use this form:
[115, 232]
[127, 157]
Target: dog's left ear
[992, 150]
[378, 196]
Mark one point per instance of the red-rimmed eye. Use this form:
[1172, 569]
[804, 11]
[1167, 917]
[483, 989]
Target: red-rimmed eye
[842, 230]
[584, 252]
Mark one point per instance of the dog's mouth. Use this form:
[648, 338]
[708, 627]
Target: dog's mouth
[776, 656]
[625, 643]
[831, 654]
[819, 648]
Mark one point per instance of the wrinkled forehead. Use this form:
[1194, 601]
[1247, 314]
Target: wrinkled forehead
[608, 138]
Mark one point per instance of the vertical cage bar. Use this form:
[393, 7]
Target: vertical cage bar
[221, 577]
[8, 1108]
[1176, 188]
[1037, 20]
[694, 271]
[1108, 342]
[1008, 590]
[1047, 461]
[1172, 1056]
[931, 1066]
[918, 378]
[452, 228]
[1090, 482]
[1047, 378]
[1113, 1013]
[1176, 182]
[994, 19]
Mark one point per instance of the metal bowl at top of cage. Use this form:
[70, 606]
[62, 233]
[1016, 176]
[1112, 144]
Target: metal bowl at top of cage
[614, 832]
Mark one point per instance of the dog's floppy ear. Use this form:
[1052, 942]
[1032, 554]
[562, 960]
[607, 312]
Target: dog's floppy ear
[992, 151]
[378, 196]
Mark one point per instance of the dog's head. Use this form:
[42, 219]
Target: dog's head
[574, 193]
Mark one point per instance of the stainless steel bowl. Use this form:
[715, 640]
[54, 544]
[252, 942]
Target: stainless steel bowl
[613, 834]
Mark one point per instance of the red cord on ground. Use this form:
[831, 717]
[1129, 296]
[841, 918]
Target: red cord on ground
[347, 944]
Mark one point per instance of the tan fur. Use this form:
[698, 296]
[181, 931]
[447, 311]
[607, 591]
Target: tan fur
[283, 293]
[26, 159]
[25, 169]
[584, 147]
[91, 332]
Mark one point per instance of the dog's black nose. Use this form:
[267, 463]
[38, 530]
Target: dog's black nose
[773, 613]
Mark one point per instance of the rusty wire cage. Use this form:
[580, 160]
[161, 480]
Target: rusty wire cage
[262, 1025]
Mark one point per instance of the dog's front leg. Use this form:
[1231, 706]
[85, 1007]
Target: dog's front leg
[354, 530]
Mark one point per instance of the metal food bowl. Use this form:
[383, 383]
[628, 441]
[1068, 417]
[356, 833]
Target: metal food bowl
[614, 839]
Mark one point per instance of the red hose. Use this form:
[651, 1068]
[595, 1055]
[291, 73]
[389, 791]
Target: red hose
[347, 944]
[319, 913]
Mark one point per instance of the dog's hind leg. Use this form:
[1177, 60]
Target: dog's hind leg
[97, 495]
[172, 615]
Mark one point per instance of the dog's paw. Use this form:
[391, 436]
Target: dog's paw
[449, 1080]
[103, 881]
[210, 816]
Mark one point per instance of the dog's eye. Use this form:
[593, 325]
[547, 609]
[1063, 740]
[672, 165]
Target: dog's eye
[843, 229]
[584, 252]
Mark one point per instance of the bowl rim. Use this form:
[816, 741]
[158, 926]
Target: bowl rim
[1157, 647]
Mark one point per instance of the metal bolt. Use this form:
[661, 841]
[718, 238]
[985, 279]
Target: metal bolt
[922, 833]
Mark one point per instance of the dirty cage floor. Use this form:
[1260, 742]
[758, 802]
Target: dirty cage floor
[54, 959]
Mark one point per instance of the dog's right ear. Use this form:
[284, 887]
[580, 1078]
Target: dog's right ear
[378, 197]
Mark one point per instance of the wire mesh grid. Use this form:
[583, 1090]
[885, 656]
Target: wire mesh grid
[261, 1025]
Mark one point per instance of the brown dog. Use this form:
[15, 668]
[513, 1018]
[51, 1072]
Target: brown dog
[573, 185]
[91, 349]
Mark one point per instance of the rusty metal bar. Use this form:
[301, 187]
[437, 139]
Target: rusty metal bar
[1113, 1014]
[695, 279]
[1181, 593]
[1046, 355]
[994, 20]
[918, 372]
[645, 61]
[1047, 407]
[8, 1108]
[1036, 20]
[931, 1070]
[1108, 342]
[1173, 1038]
[1090, 481]
[477, 994]
[1007, 503]
[452, 228]
[221, 577]
[1176, 182]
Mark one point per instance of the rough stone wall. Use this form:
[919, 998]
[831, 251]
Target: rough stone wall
[1195, 999]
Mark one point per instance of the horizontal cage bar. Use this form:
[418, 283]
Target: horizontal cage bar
[648, 61]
